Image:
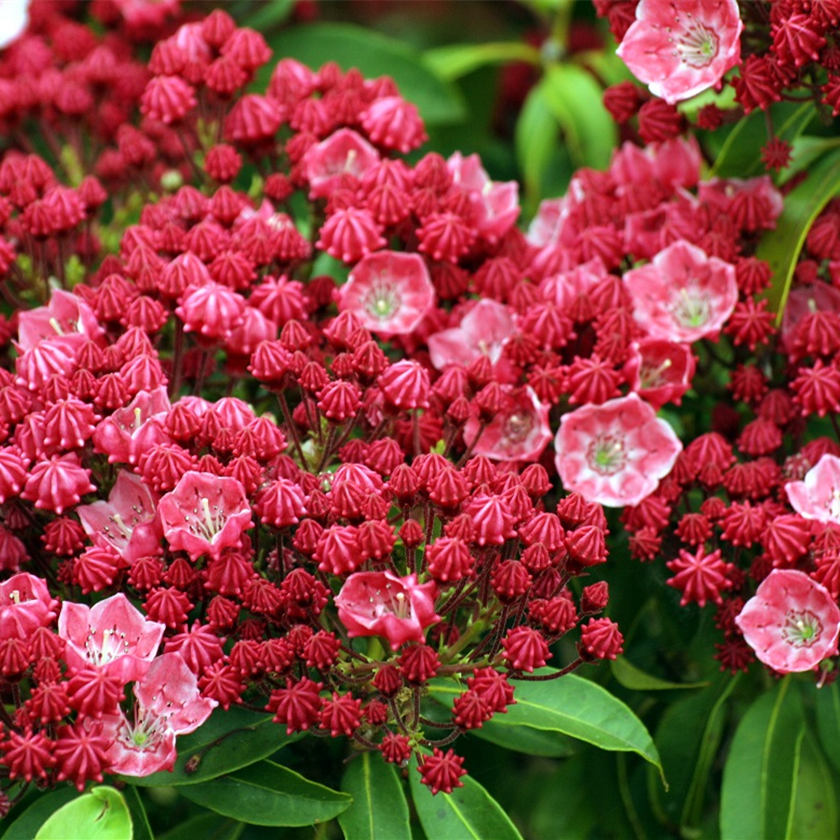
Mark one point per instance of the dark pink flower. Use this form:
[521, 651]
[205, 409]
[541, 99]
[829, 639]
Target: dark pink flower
[817, 496]
[127, 521]
[25, 605]
[343, 153]
[660, 371]
[57, 484]
[615, 453]
[113, 635]
[791, 623]
[681, 47]
[683, 294]
[65, 316]
[205, 514]
[518, 432]
[131, 431]
[382, 604]
[389, 291]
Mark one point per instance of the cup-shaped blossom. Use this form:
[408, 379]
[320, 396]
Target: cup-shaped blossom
[682, 295]
[615, 453]
[168, 703]
[113, 635]
[205, 514]
[66, 317]
[791, 623]
[343, 153]
[127, 521]
[390, 292]
[25, 605]
[129, 432]
[660, 371]
[382, 604]
[817, 496]
[518, 432]
[682, 47]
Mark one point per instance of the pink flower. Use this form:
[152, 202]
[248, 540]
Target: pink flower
[483, 331]
[660, 371]
[113, 635]
[382, 604]
[518, 432]
[818, 495]
[133, 430]
[205, 514]
[25, 605]
[127, 521]
[614, 453]
[674, 163]
[14, 15]
[343, 153]
[390, 292]
[683, 295]
[792, 623]
[681, 47]
[168, 704]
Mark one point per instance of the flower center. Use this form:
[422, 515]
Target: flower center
[114, 645]
[606, 454]
[690, 307]
[653, 377]
[144, 734]
[382, 300]
[695, 44]
[801, 628]
[517, 427]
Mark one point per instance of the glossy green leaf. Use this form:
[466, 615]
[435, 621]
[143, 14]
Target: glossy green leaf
[536, 140]
[806, 151]
[525, 739]
[815, 808]
[828, 721]
[269, 14]
[268, 794]
[468, 813]
[781, 247]
[26, 825]
[636, 679]
[571, 705]
[100, 814]
[137, 811]
[227, 741]
[456, 60]
[575, 100]
[205, 827]
[759, 779]
[380, 809]
[688, 738]
[375, 55]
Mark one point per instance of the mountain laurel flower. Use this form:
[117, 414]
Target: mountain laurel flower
[679, 48]
[817, 496]
[205, 514]
[791, 623]
[391, 292]
[660, 371]
[382, 604]
[343, 153]
[682, 295]
[25, 605]
[113, 635]
[614, 453]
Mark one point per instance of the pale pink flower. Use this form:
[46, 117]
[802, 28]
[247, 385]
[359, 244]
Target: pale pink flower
[614, 453]
[791, 623]
[343, 153]
[483, 331]
[660, 371]
[25, 605]
[65, 317]
[682, 295]
[205, 514]
[673, 163]
[679, 48]
[127, 521]
[518, 432]
[14, 18]
[817, 496]
[168, 703]
[129, 432]
[391, 292]
[382, 604]
[113, 635]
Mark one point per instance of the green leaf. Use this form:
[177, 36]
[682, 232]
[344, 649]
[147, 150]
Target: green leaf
[688, 738]
[226, 741]
[269, 794]
[375, 55]
[379, 810]
[759, 778]
[205, 827]
[781, 247]
[137, 811]
[571, 705]
[468, 813]
[269, 14]
[806, 151]
[574, 98]
[526, 740]
[456, 60]
[815, 808]
[828, 721]
[636, 679]
[26, 826]
[100, 814]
